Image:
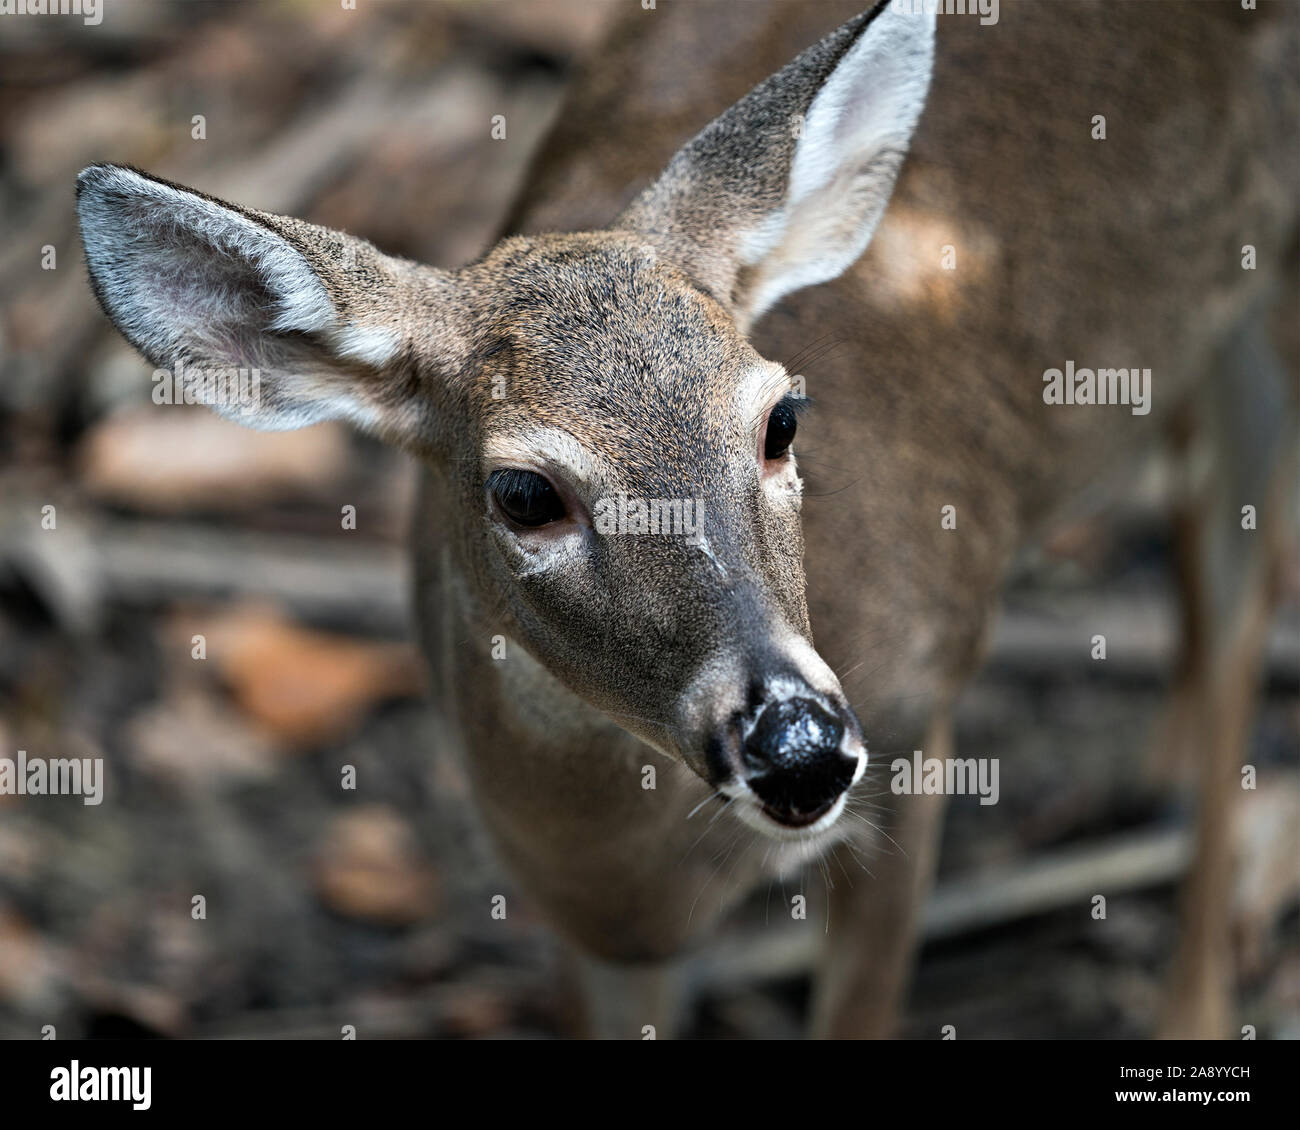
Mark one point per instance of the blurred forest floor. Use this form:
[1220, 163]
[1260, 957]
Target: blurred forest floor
[328, 907]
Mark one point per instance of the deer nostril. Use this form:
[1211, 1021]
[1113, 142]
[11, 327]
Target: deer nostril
[793, 756]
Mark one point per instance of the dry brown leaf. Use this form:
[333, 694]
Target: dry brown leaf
[369, 867]
[303, 686]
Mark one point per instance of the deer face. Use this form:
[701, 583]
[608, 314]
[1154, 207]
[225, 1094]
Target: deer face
[630, 504]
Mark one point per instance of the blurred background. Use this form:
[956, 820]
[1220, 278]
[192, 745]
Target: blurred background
[369, 907]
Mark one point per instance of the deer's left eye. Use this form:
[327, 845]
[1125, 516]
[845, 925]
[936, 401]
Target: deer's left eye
[525, 497]
[781, 425]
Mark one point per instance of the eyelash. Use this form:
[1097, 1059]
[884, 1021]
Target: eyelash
[525, 487]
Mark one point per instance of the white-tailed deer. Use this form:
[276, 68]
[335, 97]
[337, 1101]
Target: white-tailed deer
[608, 436]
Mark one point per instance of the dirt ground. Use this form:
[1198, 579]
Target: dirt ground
[327, 906]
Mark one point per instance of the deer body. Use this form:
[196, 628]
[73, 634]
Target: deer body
[652, 355]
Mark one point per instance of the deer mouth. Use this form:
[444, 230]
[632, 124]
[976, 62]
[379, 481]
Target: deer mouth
[793, 818]
[781, 823]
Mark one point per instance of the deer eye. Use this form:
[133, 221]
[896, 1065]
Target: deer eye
[781, 427]
[525, 497]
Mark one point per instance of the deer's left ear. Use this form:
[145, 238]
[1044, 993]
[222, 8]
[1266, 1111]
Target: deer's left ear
[334, 328]
[785, 189]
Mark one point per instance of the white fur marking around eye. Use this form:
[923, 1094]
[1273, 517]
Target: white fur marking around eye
[760, 388]
[542, 447]
[533, 560]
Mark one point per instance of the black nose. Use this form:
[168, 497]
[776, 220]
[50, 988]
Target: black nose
[793, 757]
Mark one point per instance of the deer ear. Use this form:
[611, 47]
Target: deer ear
[328, 323]
[785, 189]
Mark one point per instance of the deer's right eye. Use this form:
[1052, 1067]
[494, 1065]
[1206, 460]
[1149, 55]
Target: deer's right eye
[525, 497]
[781, 425]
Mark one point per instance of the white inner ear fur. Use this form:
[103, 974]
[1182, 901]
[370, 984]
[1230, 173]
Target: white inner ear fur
[162, 289]
[184, 276]
[371, 345]
[853, 139]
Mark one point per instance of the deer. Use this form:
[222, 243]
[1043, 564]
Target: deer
[728, 187]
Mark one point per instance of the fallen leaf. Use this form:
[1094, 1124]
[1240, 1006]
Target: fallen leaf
[369, 867]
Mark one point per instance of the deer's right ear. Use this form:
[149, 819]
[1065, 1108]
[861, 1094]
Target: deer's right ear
[329, 323]
[785, 189]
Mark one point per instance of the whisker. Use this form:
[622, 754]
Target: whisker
[702, 803]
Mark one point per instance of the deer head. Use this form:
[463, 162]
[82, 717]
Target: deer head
[622, 460]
